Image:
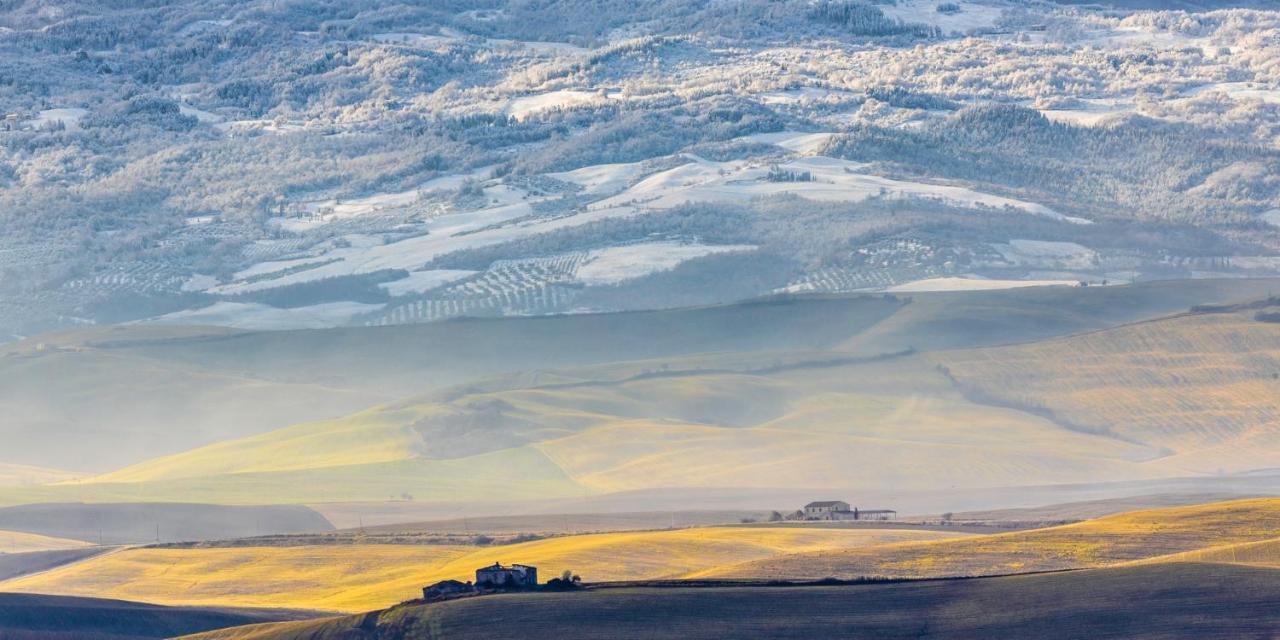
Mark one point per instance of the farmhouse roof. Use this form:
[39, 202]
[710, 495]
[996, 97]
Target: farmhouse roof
[825, 503]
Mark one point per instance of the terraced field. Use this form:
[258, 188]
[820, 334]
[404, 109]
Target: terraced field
[1105, 541]
[363, 577]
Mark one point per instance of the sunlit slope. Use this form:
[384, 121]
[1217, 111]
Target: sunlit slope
[20, 542]
[362, 577]
[819, 421]
[19, 475]
[1205, 387]
[1100, 542]
[1259, 554]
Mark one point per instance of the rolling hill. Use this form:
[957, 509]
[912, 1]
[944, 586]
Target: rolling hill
[1184, 395]
[101, 398]
[1094, 543]
[1202, 387]
[43, 617]
[368, 576]
[1176, 602]
[798, 425]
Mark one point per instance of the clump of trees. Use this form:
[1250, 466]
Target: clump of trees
[567, 581]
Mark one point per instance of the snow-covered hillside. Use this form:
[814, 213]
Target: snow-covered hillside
[304, 164]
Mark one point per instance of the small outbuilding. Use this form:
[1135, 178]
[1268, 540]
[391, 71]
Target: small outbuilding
[515, 576]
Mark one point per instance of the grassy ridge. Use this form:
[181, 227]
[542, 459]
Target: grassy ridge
[1093, 543]
[357, 578]
[1165, 602]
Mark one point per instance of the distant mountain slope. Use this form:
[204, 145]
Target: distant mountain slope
[295, 165]
[1163, 602]
[44, 617]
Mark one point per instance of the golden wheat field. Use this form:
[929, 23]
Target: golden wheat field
[364, 577]
[1255, 554]
[1093, 543]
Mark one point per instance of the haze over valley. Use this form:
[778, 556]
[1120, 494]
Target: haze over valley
[653, 319]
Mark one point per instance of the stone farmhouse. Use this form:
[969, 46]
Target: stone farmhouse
[498, 576]
[840, 510]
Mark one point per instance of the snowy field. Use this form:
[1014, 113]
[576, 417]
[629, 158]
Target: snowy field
[974, 283]
[265, 318]
[1092, 112]
[618, 264]
[526, 106]
[69, 117]
[1239, 91]
[833, 180]
[410, 88]
[973, 16]
[423, 281]
[1048, 255]
[794, 141]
